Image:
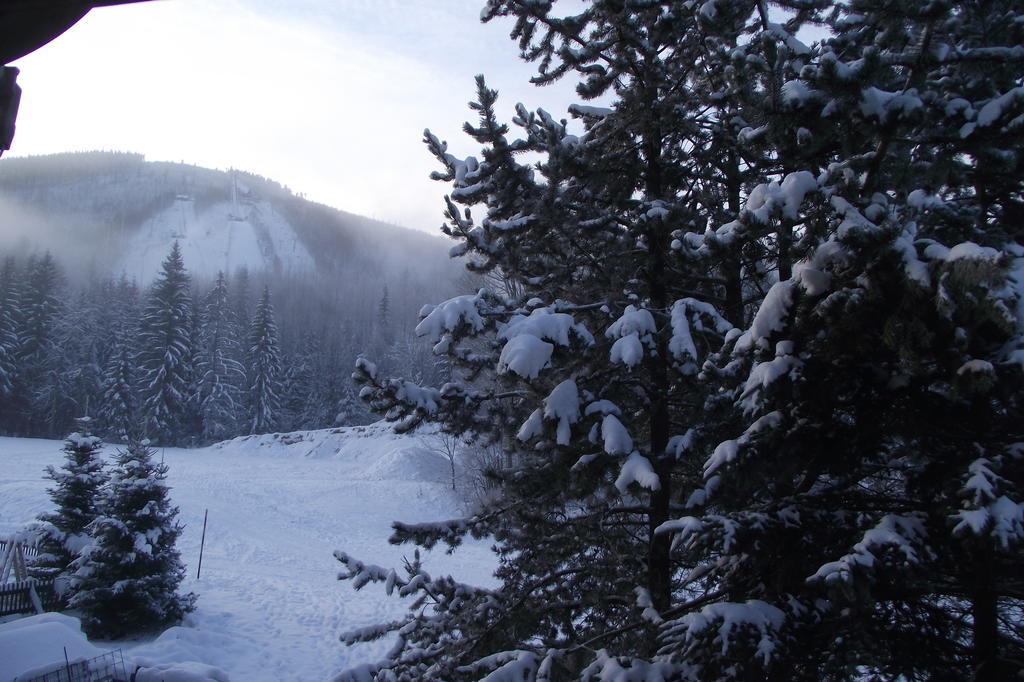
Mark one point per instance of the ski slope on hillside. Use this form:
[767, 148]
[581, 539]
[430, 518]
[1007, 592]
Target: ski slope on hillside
[270, 607]
[222, 237]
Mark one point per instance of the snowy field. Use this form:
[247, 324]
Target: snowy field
[270, 606]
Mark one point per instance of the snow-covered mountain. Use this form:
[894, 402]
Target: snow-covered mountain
[118, 213]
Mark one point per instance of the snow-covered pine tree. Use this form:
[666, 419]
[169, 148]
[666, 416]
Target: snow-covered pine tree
[385, 333]
[866, 517]
[76, 496]
[305, 390]
[40, 306]
[165, 350]
[241, 301]
[127, 579]
[264, 370]
[219, 372]
[40, 385]
[9, 315]
[587, 375]
[75, 359]
[118, 410]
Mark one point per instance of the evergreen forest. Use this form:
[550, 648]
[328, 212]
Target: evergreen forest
[181, 361]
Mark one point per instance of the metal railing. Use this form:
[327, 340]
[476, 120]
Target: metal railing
[107, 667]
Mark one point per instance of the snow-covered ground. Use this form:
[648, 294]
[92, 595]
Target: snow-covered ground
[270, 606]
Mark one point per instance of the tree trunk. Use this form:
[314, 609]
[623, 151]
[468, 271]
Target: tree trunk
[659, 570]
[986, 634]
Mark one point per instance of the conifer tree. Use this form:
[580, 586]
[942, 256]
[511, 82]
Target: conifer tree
[587, 375]
[306, 399]
[40, 384]
[384, 331]
[75, 359]
[127, 579]
[165, 350]
[8, 328]
[219, 373]
[40, 306]
[865, 517]
[76, 496]
[264, 372]
[118, 409]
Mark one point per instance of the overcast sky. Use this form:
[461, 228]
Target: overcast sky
[329, 97]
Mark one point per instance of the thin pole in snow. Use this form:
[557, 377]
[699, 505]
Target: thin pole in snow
[67, 663]
[202, 543]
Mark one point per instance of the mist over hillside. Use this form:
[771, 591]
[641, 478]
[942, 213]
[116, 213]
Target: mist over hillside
[105, 210]
[340, 284]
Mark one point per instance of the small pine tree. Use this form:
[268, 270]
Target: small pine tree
[264, 367]
[384, 332]
[62, 533]
[127, 579]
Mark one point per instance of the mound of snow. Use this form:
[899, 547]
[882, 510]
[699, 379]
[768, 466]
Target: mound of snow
[413, 463]
[374, 451]
[34, 646]
[181, 672]
[167, 652]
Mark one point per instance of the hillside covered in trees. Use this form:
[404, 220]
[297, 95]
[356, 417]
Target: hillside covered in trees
[266, 345]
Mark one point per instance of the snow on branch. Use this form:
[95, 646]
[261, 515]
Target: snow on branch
[764, 374]
[626, 669]
[525, 355]
[729, 450]
[637, 469]
[527, 351]
[770, 317]
[904, 533]
[361, 574]
[427, 535]
[690, 315]
[563, 404]
[769, 199]
[1003, 519]
[617, 440]
[729, 621]
[506, 666]
[631, 332]
[452, 315]
[544, 323]
[987, 511]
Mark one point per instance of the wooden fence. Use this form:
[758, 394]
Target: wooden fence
[29, 596]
